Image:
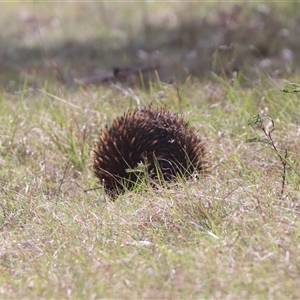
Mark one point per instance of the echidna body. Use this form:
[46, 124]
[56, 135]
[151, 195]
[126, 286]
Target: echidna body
[159, 139]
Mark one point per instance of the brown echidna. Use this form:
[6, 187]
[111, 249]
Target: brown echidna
[159, 139]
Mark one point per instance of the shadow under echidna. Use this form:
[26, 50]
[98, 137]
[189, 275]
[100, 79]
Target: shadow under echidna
[162, 141]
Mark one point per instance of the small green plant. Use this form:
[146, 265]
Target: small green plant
[291, 88]
[266, 126]
[262, 124]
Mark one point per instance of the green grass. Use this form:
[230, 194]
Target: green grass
[230, 235]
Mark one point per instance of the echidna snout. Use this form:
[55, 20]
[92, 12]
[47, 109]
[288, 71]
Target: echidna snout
[157, 138]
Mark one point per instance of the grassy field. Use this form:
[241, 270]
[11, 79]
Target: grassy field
[232, 235]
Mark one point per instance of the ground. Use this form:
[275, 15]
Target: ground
[233, 234]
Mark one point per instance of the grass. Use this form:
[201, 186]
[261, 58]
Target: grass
[230, 235]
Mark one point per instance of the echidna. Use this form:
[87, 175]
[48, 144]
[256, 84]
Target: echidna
[157, 138]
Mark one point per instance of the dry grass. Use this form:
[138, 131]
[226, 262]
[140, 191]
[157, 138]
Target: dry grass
[228, 236]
